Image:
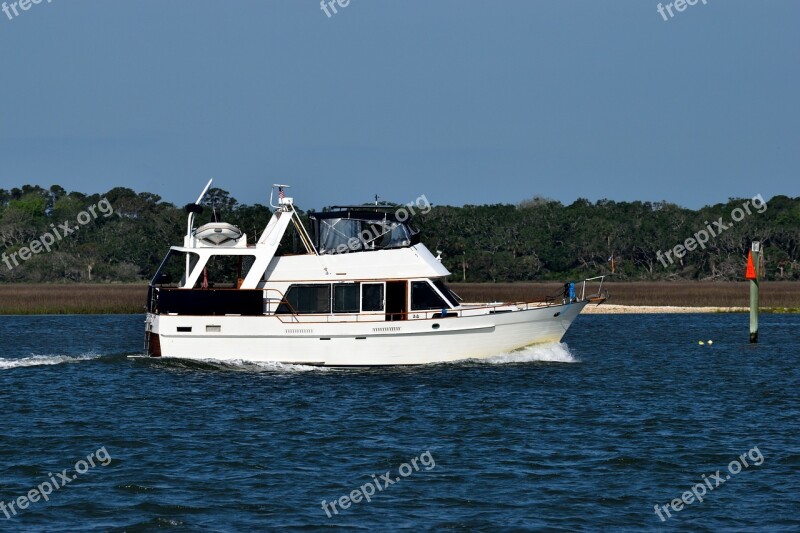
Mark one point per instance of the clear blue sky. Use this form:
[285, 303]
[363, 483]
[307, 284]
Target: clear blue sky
[460, 100]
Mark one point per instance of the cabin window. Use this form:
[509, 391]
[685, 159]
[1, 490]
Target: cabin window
[345, 297]
[224, 272]
[174, 269]
[424, 297]
[372, 296]
[306, 299]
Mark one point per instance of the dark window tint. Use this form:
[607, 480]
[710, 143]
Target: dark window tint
[345, 298]
[424, 297]
[452, 297]
[306, 299]
[372, 297]
[224, 271]
[172, 272]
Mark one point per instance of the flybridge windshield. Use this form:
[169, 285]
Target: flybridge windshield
[174, 269]
[343, 235]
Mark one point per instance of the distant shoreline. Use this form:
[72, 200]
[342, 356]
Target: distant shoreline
[630, 297]
[611, 309]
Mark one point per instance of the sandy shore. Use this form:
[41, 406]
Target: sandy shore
[610, 309]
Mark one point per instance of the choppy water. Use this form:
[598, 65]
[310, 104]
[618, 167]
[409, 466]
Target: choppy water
[629, 413]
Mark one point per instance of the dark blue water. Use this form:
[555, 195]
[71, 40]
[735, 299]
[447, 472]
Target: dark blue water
[629, 414]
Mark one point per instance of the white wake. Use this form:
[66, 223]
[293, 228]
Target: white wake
[39, 360]
[550, 353]
[249, 366]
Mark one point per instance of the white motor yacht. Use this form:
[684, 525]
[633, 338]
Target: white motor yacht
[365, 292]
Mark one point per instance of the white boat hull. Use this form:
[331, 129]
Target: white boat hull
[363, 343]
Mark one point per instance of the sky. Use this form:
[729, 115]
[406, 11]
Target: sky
[463, 101]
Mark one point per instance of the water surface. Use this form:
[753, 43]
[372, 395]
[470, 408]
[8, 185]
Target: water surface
[630, 412]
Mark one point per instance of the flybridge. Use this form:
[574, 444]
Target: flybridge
[357, 229]
[342, 229]
[217, 254]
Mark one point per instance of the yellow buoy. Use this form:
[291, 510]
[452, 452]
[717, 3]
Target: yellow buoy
[701, 343]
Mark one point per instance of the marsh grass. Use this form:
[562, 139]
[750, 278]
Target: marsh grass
[53, 299]
[773, 294]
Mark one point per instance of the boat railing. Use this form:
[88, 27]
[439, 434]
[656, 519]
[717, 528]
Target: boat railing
[599, 295]
[293, 316]
[278, 301]
[152, 298]
[273, 299]
[503, 307]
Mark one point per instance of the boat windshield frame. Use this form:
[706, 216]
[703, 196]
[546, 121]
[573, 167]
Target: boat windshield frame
[361, 230]
[188, 268]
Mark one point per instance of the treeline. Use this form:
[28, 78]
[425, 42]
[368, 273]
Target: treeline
[538, 239]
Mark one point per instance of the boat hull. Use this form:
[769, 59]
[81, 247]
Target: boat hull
[365, 343]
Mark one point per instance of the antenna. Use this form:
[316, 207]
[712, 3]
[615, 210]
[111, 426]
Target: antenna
[195, 208]
[203, 194]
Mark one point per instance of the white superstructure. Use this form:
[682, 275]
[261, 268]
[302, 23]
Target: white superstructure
[366, 292]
